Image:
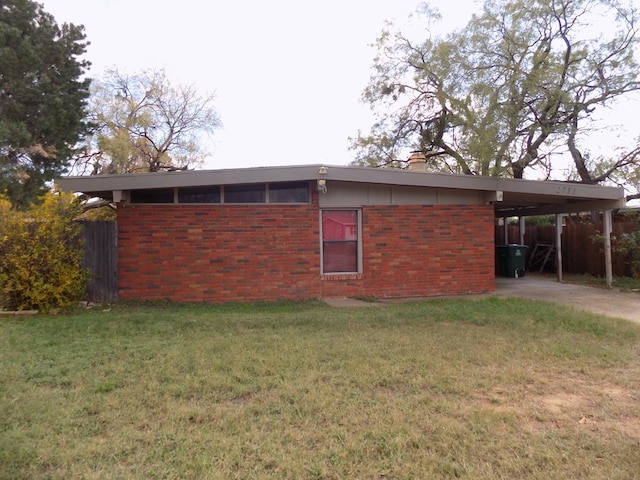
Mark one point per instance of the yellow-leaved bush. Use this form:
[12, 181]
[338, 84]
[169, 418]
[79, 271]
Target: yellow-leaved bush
[41, 254]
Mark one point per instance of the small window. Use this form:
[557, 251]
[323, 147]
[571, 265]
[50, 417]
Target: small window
[255, 193]
[340, 237]
[160, 195]
[290, 192]
[199, 195]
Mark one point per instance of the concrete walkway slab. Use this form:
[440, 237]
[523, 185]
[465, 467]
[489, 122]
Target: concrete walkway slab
[605, 301]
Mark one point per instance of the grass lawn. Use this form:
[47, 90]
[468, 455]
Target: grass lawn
[475, 389]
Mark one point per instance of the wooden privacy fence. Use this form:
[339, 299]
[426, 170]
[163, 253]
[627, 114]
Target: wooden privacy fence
[580, 252]
[101, 258]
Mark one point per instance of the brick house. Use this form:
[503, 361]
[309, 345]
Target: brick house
[316, 231]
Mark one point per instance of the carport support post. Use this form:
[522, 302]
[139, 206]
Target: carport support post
[607, 247]
[522, 230]
[505, 227]
[559, 244]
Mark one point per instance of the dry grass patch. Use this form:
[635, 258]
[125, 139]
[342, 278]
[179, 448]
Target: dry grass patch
[493, 388]
[584, 405]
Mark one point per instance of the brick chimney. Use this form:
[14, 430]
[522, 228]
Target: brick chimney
[417, 162]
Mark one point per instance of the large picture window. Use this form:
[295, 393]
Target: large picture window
[340, 241]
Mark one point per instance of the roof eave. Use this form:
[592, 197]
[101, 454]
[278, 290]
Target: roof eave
[565, 192]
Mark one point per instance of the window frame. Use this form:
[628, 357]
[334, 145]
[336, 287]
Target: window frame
[358, 241]
[266, 191]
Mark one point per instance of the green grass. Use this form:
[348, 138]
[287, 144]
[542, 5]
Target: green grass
[475, 389]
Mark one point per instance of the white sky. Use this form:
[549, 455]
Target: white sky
[288, 74]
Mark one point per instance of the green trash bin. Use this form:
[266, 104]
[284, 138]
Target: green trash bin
[511, 260]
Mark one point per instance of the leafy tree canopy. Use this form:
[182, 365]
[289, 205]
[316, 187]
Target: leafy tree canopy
[145, 124]
[42, 98]
[512, 92]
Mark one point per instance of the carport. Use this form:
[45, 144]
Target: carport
[517, 198]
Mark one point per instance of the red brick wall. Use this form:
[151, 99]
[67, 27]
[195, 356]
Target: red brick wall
[225, 253]
[422, 250]
[218, 253]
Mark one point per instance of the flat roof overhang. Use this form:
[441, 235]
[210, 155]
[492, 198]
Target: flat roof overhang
[510, 197]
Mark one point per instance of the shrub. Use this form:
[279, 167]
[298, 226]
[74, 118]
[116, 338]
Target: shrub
[628, 244]
[41, 254]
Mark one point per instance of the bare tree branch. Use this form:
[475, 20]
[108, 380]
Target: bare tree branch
[145, 124]
[510, 93]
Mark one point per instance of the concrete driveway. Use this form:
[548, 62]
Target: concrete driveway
[611, 302]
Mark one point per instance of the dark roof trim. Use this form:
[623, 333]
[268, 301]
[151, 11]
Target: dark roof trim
[554, 195]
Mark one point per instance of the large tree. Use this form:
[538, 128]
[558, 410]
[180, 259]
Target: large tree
[513, 91]
[43, 96]
[143, 123]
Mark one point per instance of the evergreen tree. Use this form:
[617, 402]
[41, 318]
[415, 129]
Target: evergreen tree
[43, 98]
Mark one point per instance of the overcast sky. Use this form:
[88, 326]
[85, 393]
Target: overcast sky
[287, 74]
